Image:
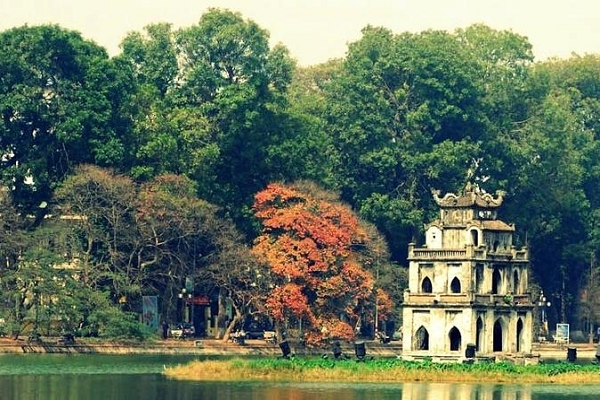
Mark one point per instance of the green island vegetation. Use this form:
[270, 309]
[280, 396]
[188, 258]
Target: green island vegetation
[382, 370]
[203, 158]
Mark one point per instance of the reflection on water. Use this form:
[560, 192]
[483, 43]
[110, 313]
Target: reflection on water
[95, 377]
[441, 391]
[156, 387]
[60, 387]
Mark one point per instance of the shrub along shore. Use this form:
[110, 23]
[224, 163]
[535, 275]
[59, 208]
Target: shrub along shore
[382, 370]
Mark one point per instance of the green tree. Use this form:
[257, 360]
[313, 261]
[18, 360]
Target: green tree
[211, 104]
[45, 292]
[62, 103]
[31, 291]
[549, 197]
[504, 60]
[589, 301]
[229, 73]
[12, 231]
[167, 137]
[153, 57]
[311, 152]
[404, 117]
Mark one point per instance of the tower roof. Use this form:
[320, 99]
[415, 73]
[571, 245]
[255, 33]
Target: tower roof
[471, 196]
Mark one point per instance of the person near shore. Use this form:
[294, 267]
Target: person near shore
[165, 330]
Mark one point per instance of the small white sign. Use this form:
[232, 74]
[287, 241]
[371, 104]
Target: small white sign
[562, 331]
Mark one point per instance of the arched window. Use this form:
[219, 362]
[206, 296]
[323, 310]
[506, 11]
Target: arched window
[426, 286]
[455, 339]
[479, 278]
[455, 285]
[496, 281]
[516, 289]
[421, 341]
[474, 237]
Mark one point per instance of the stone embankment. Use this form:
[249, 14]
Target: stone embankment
[211, 347]
[553, 351]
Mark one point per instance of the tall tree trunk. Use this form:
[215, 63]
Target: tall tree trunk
[237, 318]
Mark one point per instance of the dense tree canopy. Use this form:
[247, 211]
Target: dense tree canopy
[62, 103]
[194, 122]
[216, 108]
[147, 239]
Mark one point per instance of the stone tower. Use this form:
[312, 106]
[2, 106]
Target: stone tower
[467, 286]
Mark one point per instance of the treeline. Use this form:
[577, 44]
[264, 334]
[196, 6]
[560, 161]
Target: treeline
[161, 149]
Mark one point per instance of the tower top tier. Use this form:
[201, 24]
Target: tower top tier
[472, 197]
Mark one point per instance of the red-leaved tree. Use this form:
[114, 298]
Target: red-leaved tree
[317, 250]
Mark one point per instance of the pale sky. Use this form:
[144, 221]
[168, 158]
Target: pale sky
[317, 30]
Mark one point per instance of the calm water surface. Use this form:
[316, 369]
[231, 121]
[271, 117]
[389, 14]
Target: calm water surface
[95, 377]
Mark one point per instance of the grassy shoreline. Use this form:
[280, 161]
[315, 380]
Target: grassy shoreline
[381, 370]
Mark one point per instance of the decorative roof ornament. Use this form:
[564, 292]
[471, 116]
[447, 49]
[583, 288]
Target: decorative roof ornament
[471, 196]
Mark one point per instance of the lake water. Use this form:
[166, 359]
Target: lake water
[105, 377]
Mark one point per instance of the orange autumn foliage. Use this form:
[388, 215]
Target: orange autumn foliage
[312, 245]
[384, 302]
[288, 297]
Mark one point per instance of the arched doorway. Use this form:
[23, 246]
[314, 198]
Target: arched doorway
[498, 336]
[479, 334]
[519, 335]
[421, 341]
[455, 339]
[496, 281]
[426, 286]
[455, 285]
